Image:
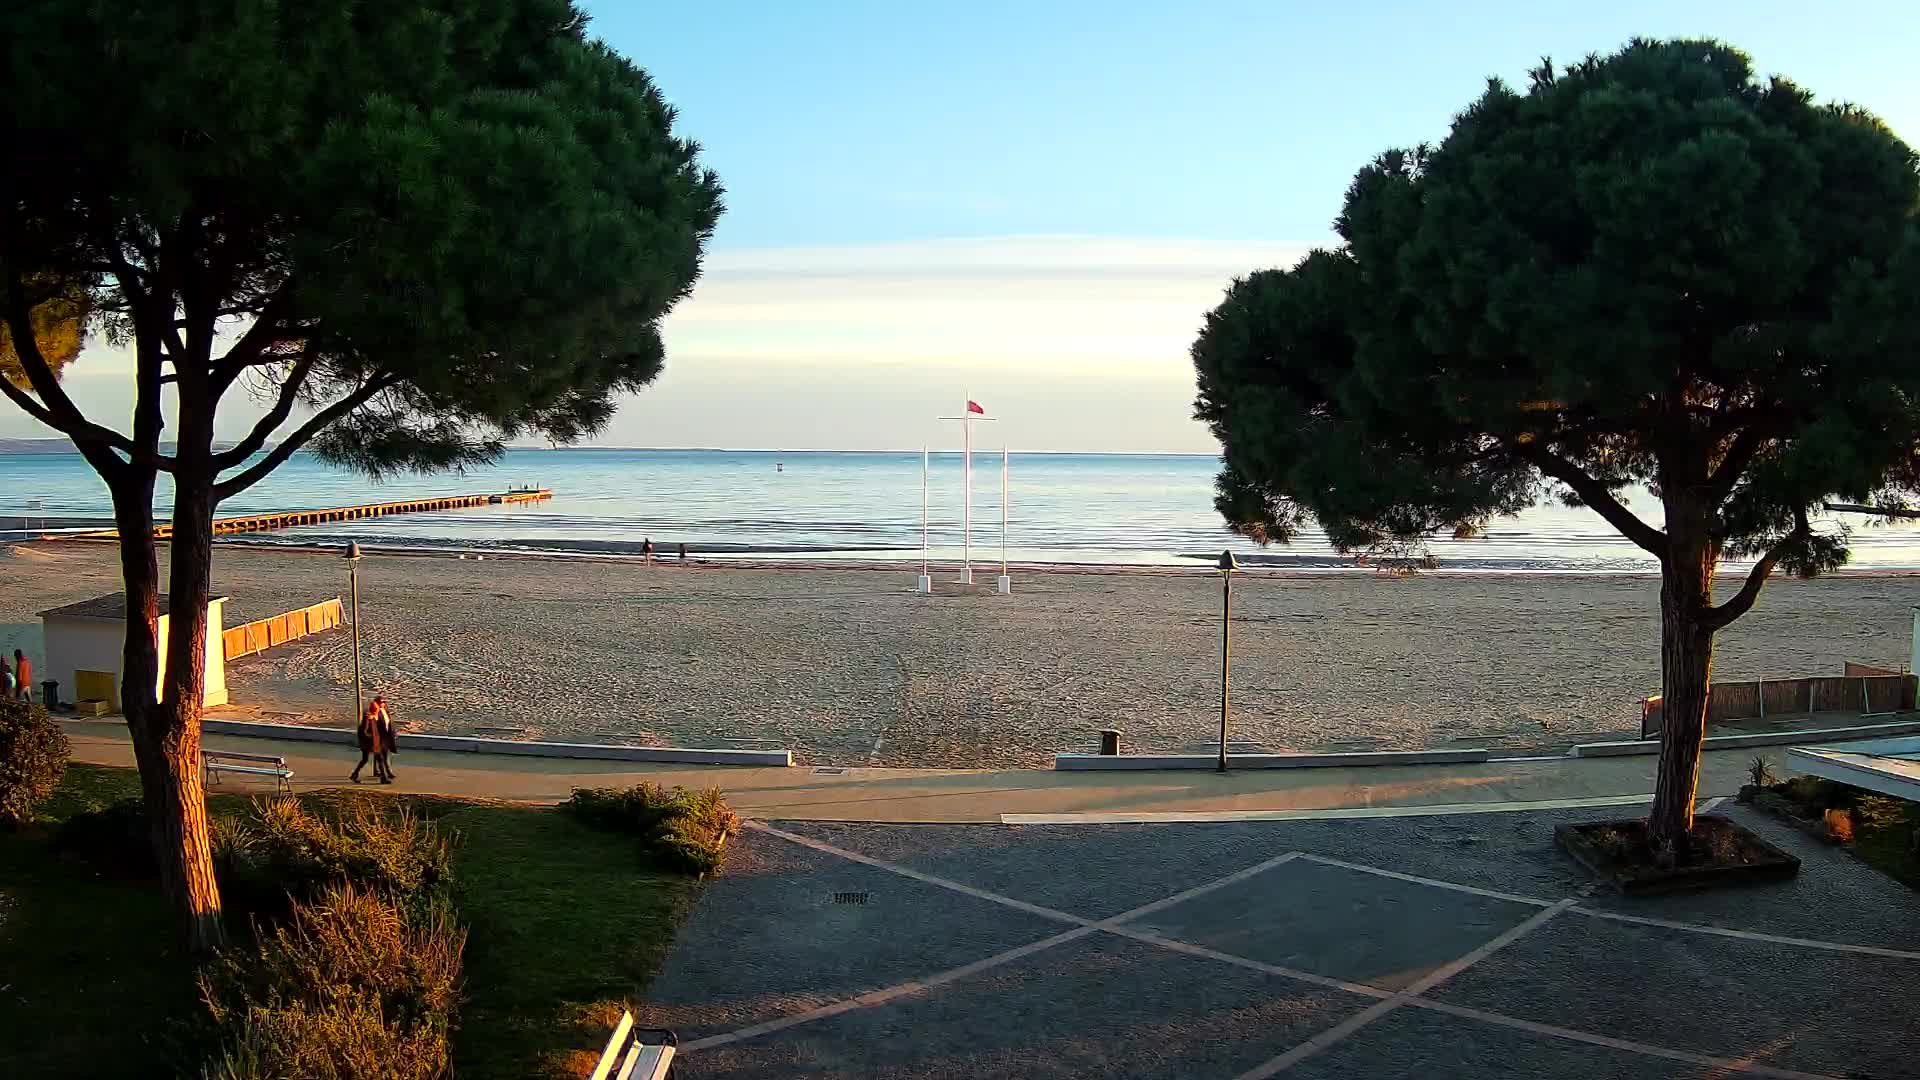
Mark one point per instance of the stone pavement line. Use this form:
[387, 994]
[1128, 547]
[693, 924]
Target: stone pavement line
[1378, 1009]
[1385, 1001]
[1650, 1050]
[1596, 913]
[1434, 882]
[1333, 814]
[884, 994]
[911, 986]
[1749, 935]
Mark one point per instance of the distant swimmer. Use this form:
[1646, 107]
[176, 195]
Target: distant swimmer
[779, 466]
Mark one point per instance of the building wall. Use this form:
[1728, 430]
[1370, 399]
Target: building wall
[74, 645]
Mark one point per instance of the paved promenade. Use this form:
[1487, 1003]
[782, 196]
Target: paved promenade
[958, 795]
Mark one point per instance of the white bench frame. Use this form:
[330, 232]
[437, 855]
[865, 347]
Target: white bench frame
[215, 762]
[628, 1056]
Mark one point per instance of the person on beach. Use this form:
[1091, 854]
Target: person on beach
[6, 681]
[22, 677]
[376, 740]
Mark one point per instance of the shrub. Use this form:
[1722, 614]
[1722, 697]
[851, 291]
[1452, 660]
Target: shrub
[1760, 772]
[353, 987]
[114, 838]
[282, 851]
[33, 755]
[680, 830]
[1839, 826]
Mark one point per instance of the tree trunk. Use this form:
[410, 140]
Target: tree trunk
[1686, 661]
[166, 741]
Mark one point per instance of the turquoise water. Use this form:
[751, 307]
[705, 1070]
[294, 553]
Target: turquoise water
[1097, 508]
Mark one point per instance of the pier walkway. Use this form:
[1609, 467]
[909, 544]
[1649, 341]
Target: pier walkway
[288, 519]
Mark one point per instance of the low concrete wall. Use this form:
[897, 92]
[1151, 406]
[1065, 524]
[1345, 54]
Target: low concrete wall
[1097, 762]
[466, 744]
[1767, 738]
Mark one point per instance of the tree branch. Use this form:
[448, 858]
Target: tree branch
[1745, 447]
[304, 434]
[264, 332]
[1741, 602]
[270, 423]
[1595, 495]
[55, 408]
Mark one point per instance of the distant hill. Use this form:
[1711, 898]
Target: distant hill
[36, 446]
[62, 446]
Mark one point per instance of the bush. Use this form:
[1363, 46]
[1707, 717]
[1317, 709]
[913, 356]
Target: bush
[33, 755]
[680, 830]
[114, 838]
[282, 852]
[1839, 826]
[355, 986]
[1760, 772]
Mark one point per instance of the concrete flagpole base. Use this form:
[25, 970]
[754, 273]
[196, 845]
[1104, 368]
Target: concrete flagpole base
[1006, 586]
[925, 584]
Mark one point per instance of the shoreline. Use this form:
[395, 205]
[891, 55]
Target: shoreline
[785, 557]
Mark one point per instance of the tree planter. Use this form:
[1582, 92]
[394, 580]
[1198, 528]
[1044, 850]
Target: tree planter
[1786, 810]
[1723, 854]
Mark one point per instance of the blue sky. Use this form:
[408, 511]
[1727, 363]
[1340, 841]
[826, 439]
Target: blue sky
[1036, 203]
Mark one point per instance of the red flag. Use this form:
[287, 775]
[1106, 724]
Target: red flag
[974, 406]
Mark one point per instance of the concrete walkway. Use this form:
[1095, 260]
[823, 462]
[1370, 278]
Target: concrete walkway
[951, 795]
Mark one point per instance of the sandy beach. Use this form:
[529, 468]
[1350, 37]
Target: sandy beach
[850, 667]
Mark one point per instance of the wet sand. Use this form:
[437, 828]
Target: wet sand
[850, 667]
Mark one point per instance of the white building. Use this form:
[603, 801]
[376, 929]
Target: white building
[84, 642]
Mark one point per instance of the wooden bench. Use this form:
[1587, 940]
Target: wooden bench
[636, 1053]
[215, 762]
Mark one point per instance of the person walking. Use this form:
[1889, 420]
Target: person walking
[376, 740]
[6, 681]
[22, 677]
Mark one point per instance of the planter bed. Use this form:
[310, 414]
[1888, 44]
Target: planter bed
[1720, 853]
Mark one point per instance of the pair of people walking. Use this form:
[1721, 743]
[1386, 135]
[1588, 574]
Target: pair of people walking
[376, 740]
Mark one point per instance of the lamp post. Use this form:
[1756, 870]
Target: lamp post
[1227, 566]
[353, 579]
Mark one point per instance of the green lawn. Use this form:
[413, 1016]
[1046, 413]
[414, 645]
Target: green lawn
[565, 925]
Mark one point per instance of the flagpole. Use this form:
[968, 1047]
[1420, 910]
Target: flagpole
[925, 583]
[1006, 583]
[966, 411]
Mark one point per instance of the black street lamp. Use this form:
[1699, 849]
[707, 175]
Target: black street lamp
[1227, 566]
[352, 556]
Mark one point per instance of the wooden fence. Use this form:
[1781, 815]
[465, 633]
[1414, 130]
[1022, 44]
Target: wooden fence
[250, 638]
[1864, 689]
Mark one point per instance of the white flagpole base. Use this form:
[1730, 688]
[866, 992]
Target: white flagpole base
[1006, 586]
[925, 584]
[966, 578]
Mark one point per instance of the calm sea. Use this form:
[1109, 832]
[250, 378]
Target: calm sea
[1091, 508]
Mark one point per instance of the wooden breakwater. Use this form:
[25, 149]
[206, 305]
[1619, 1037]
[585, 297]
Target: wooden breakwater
[288, 519]
[249, 638]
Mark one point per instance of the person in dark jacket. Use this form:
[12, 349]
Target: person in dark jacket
[376, 740]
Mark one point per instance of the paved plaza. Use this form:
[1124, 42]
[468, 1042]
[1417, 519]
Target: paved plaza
[1415, 946]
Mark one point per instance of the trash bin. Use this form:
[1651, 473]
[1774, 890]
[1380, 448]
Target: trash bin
[1109, 742]
[50, 693]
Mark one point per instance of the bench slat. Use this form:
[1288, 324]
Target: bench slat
[235, 755]
[252, 770]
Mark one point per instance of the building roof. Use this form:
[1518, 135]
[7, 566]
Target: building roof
[111, 607]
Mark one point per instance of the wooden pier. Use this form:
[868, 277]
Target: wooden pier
[290, 519]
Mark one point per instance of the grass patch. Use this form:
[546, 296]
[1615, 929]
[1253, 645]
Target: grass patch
[92, 980]
[564, 930]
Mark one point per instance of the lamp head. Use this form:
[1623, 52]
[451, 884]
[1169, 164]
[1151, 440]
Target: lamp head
[353, 551]
[1228, 564]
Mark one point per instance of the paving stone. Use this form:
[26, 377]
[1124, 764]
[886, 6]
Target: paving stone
[1778, 1005]
[1420, 1043]
[1097, 1007]
[1340, 923]
[769, 938]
